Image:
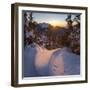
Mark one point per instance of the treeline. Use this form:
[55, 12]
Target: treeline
[52, 37]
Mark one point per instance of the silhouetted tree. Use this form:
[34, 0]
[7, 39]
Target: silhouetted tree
[69, 21]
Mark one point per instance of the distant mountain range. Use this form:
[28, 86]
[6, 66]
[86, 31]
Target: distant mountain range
[44, 26]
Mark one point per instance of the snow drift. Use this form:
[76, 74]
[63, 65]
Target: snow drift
[38, 61]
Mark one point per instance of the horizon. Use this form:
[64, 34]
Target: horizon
[55, 19]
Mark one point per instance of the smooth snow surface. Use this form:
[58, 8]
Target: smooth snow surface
[38, 61]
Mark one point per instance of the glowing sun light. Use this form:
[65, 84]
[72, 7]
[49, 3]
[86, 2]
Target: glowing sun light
[58, 23]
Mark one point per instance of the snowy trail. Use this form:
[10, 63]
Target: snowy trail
[39, 61]
[42, 59]
[43, 56]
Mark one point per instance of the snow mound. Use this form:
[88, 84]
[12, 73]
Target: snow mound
[38, 61]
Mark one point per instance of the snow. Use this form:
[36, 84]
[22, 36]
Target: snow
[28, 34]
[64, 63]
[42, 59]
[38, 61]
[28, 62]
[56, 66]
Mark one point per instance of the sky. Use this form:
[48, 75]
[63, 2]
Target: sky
[55, 19]
[51, 18]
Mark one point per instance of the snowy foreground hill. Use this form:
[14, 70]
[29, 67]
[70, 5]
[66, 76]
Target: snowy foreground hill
[39, 61]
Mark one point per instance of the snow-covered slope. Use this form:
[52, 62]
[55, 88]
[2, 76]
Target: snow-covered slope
[42, 59]
[28, 62]
[39, 61]
[64, 62]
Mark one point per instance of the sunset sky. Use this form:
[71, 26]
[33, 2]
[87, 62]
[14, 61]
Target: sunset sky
[55, 19]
